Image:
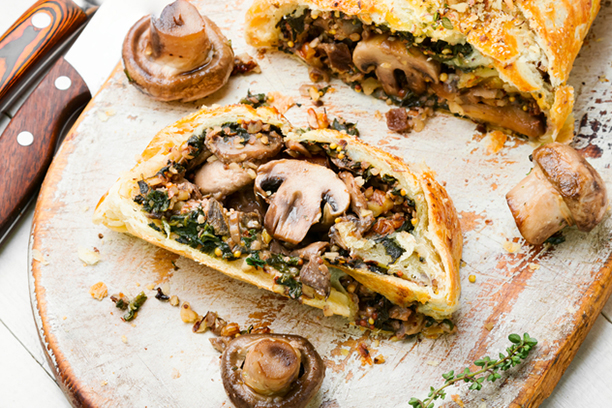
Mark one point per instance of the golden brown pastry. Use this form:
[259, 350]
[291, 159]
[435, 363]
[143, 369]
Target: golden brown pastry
[503, 62]
[316, 216]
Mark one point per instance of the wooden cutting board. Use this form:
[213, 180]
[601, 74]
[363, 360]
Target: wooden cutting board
[553, 292]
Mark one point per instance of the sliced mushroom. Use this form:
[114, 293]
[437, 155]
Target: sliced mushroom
[180, 56]
[216, 217]
[221, 180]
[359, 203]
[265, 371]
[390, 59]
[562, 189]
[238, 146]
[314, 273]
[511, 117]
[296, 205]
[339, 56]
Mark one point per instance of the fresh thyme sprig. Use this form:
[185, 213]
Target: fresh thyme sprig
[517, 352]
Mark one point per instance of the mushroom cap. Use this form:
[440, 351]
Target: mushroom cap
[580, 185]
[296, 205]
[297, 395]
[167, 77]
[386, 57]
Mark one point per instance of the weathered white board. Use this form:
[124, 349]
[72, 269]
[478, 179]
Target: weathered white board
[554, 293]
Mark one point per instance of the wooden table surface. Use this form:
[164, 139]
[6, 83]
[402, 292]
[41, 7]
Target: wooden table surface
[29, 382]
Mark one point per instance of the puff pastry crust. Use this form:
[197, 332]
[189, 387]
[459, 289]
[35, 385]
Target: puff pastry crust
[436, 233]
[531, 44]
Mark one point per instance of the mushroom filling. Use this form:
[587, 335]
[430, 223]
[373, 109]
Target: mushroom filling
[294, 211]
[412, 72]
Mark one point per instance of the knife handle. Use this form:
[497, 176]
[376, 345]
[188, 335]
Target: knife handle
[45, 25]
[28, 143]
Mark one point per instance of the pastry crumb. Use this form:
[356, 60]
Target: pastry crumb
[103, 383]
[124, 339]
[533, 266]
[38, 256]
[88, 256]
[489, 326]
[98, 291]
[433, 363]
[496, 140]
[511, 247]
[458, 400]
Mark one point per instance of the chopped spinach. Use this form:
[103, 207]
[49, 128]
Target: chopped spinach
[293, 285]
[196, 142]
[154, 202]
[292, 26]
[196, 235]
[255, 260]
[255, 100]
[393, 249]
[247, 241]
[406, 226]
[348, 127]
[282, 263]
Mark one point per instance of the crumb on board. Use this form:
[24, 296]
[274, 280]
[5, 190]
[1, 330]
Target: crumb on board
[496, 140]
[124, 339]
[363, 351]
[98, 291]
[511, 247]
[433, 363]
[88, 257]
[103, 383]
[281, 102]
[379, 359]
[175, 374]
[458, 400]
[533, 266]
[151, 286]
[39, 257]
[174, 300]
[489, 326]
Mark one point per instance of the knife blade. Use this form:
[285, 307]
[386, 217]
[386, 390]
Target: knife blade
[39, 32]
[29, 140]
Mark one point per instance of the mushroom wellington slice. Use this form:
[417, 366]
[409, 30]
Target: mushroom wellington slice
[340, 225]
[179, 56]
[503, 64]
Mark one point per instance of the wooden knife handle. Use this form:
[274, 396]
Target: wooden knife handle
[28, 143]
[39, 30]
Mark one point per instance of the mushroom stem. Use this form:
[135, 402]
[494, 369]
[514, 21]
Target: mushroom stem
[537, 207]
[271, 367]
[178, 37]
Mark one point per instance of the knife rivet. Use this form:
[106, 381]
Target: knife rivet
[62, 83]
[25, 138]
[41, 20]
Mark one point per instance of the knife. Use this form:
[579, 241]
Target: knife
[27, 44]
[28, 142]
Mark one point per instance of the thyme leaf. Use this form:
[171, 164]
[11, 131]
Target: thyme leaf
[489, 371]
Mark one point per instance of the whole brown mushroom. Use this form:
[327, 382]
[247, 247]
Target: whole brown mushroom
[562, 189]
[179, 56]
[271, 370]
